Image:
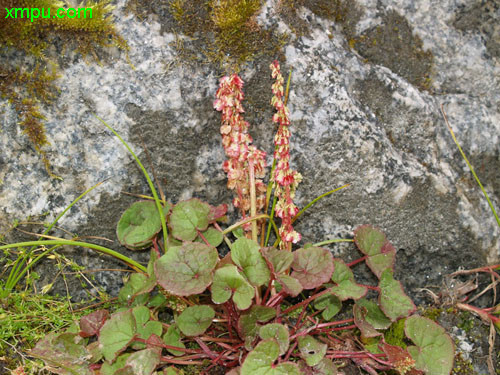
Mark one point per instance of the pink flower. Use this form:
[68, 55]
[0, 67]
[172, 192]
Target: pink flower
[286, 180]
[238, 145]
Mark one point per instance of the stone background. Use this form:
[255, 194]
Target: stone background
[365, 105]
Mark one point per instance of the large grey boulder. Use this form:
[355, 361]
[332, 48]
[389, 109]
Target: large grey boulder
[365, 107]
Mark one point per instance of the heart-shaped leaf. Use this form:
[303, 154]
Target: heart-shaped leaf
[186, 270]
[392, 299]
[145, 326]
[346, 286]
[189, 217]
[330, 304]
[312, 350]
[247, 324]
[369, 240]
[312, 266]
[281, 260]
[91, 324]
[276, 331]
[260, 361]
[195, 320]
[228, 281]
[138, 225]
[368, 318]
[173, 338]
[116, 334]
[136, 285]
[246, 255]
[434, 350]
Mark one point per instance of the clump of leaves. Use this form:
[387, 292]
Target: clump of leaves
[235, 312]
[29, 28]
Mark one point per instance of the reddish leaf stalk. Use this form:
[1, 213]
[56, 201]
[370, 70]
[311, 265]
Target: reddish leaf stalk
[306, 301]
[354, 262]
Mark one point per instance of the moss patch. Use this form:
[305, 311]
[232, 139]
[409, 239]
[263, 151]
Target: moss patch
[223, 32]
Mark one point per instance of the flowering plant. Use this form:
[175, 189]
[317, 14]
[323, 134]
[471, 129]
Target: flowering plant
[259, 309]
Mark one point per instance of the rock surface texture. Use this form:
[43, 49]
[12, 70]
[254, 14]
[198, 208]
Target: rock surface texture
[367, 85]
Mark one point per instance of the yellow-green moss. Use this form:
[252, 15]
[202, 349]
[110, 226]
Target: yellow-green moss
[395, 335]
[225, 31]
[29, 83]
[462, 366]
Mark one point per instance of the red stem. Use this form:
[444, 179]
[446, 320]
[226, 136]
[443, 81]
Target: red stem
[306, 301]
[354, 262]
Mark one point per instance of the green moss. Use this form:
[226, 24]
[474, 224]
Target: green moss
[224, 31]
[395, 335]
[432, 313]
[27, 72]
[462, 366]
[466, 321]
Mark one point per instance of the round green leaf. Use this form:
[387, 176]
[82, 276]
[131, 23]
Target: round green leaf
[138, 225]
[369, 240]
[195, 320]
[346, 286]
[276, 331]
[228, 281]
[245, 254]
[260, 361]
[186, 270]
[116, 334]
[247, 324]
[392, 299]
[188, 217]
[434, 350]
[173, 338]
[330, 304]
[311, 350]
[290, 285]
[312, 266]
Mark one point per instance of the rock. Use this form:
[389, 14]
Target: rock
[367, 85]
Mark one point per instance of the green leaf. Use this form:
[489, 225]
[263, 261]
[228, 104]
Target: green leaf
[228, 281]
[186, 270]
[188, 217]
[392, 299]
[380, 262]
[280, 259]
[116, 334]
[213, 236]
[312, 266]
[143, 362]
[330, 304]
[136, 285]
[145, 327]
[110, 369]
[369, 240]
[276, 331]
[247, 323]
[434, 350]
[138, 225]
[290, 285]
[311, 350]
[173, 338]
[245, 254]
[346, 286]
[260, 361]
[195, 320]
[368, 318]
[325, 367]
[64, 351]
